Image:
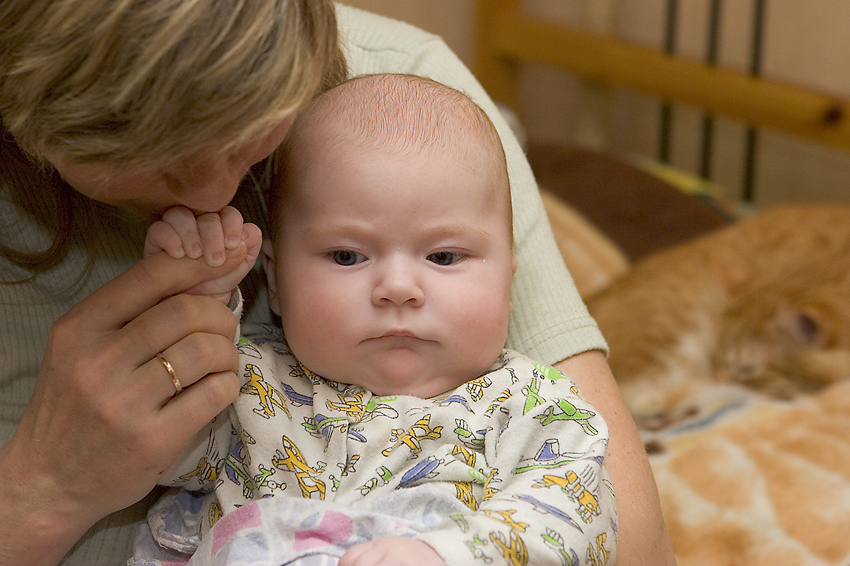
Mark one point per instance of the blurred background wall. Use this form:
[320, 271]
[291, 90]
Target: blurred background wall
[803, 42]
[454, 20]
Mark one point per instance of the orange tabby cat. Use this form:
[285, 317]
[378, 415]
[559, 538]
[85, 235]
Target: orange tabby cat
[764, 303]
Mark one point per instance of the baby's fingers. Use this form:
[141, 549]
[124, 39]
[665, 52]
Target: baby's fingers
[162, 238]
[231, 225]
[212, 238]
[184, 223]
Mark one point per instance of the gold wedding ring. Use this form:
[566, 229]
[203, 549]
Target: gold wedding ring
[170, 369]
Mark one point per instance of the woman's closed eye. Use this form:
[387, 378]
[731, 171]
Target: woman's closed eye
[346, 257]
[446, 257]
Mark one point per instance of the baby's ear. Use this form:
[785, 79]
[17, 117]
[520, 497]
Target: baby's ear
[271, 276]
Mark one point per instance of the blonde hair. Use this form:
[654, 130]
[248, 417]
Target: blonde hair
[142, 82]
[403, 113]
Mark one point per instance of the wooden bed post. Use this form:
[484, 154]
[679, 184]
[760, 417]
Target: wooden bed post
[496, 71]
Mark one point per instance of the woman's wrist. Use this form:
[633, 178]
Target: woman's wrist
[39, 524]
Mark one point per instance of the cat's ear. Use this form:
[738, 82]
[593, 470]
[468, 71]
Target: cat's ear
[729, 274]
[803, 324]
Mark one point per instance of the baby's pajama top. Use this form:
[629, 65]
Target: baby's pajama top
[508, 468]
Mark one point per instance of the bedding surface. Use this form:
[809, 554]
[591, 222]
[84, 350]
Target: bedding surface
[759, 482]
[749, 480]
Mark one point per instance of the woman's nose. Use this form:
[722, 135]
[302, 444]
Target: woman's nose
[397, 285]
[206, 186]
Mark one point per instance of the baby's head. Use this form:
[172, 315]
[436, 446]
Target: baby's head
[392, 237]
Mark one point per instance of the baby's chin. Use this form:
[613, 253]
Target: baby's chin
[405, 373]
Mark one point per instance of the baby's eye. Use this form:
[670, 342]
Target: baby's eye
[445, 257]
[346, 257]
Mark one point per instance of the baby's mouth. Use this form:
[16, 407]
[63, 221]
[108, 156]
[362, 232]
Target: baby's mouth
[399, 334]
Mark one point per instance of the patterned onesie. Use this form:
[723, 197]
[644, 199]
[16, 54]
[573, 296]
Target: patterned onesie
[506, 469]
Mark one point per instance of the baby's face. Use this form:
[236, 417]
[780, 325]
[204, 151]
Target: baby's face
[394, 271]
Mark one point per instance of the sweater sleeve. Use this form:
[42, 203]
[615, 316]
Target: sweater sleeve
[549, 321]
[548, 499]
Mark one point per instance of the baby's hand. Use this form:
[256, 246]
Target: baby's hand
[391, 551]
[180, 233]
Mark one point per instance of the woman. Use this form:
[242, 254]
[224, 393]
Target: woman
[114, 111]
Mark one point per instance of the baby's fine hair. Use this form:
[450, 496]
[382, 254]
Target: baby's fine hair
[141, 82]
[405, 111]
[401, 113]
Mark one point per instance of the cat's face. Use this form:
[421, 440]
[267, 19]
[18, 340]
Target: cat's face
[782, 342]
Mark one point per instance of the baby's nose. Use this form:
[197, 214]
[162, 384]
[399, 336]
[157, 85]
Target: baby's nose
[398, 285]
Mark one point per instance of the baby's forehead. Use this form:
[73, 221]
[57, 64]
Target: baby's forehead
[404, 114]
[403, 107]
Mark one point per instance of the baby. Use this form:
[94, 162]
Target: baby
[385, 421]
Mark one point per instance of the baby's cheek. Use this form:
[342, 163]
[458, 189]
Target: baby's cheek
[314, 329]
[483, 322]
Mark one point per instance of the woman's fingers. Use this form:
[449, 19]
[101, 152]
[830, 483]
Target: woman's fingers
[170, 321]
[144, 285]
[179, 367]
[199, 404]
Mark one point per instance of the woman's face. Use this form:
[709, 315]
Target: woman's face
[204, 182]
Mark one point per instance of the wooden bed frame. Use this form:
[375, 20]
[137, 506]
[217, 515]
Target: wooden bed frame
[507, 38]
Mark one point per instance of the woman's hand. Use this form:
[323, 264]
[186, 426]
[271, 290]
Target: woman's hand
[104, 422]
